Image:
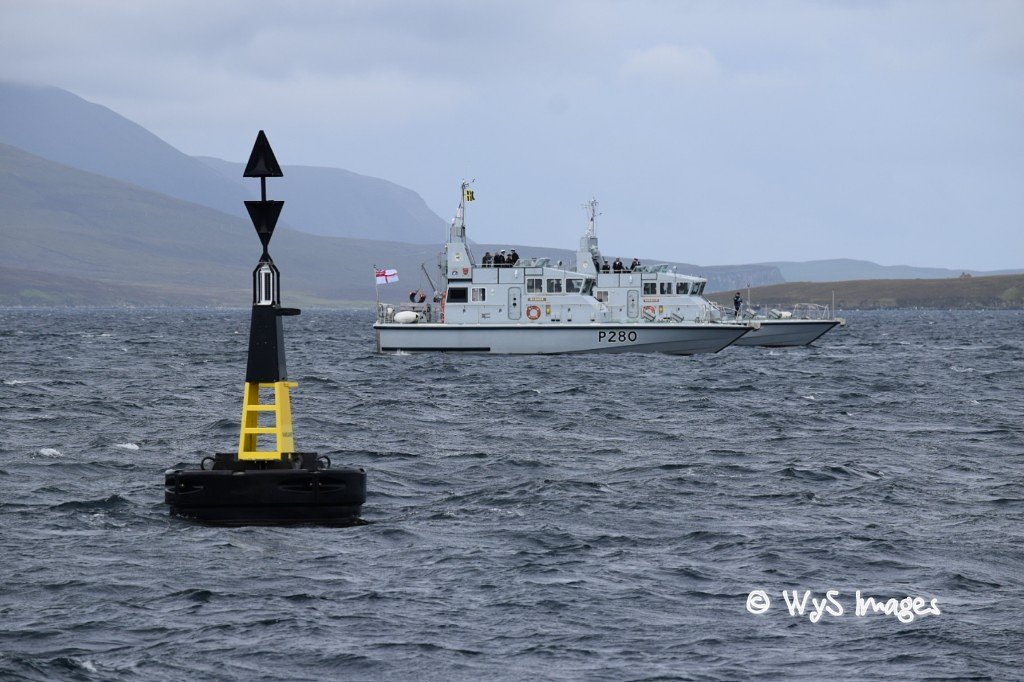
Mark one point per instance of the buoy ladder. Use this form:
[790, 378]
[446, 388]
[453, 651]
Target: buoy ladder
[280, 431]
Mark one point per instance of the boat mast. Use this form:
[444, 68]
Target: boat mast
[591, 208]
[458, 231]
[458, 261]
[588, 257]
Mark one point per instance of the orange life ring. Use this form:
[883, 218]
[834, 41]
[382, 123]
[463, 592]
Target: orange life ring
[533, 312]
[650, 309]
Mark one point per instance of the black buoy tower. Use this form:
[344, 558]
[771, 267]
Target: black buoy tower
[265, 482]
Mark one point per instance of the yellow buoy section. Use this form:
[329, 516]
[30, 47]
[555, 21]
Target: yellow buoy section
[280, 431]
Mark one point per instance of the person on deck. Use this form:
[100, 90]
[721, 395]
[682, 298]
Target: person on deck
[617, 265]
[605, 267]
[499, 259]
[412, 297]
[422, 297]
[513, 258]
[634, 265]
[737, 301]
[488, 259]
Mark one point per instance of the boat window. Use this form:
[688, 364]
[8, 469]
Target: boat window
[573, 286]
[479, 294]
[602, 296]
[681, 287]
[458, 295]
[666, 287]
[650, 288]
[534, 286]
[554, 286]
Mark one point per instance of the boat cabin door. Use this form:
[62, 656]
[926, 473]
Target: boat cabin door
[515, 310]
[632, 304]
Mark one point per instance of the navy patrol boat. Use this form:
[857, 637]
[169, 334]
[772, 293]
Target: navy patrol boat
[536, 307]
[672, 297]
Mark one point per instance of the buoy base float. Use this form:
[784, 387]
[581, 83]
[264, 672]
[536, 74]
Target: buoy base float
[299, 488]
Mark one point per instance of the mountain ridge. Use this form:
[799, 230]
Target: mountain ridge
[88, 193]
[60, 126]
[333, 202]
[841, 269]
[969, 293]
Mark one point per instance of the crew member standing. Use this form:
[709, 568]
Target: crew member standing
[737, 301]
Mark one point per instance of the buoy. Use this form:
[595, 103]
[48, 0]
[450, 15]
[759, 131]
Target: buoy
[258, 484]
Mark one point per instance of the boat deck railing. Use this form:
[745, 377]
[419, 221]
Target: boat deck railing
[799, 311]
[811, 311]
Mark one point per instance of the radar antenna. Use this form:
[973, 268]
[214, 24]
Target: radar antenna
[591, 208]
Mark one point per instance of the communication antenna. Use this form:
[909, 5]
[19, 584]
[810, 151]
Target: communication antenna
[591, 208]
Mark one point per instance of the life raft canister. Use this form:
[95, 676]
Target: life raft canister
[533, 312]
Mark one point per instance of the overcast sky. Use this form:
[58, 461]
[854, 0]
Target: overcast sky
[711, 132]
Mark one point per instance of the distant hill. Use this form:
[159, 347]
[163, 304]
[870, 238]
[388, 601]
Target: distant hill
[999, 291]
[54, 124]
[840, 269]
[338, 203]
[57, 125]
[90, 232]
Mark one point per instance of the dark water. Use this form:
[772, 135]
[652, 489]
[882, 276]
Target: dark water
[530, 517]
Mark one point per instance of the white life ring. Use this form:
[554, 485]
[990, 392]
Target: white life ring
[649, 310]
[533, 312]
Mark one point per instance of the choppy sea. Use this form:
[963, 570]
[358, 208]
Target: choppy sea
[558, 518]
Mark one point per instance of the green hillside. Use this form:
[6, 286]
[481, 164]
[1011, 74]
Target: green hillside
[74, 224]
[1001, 291]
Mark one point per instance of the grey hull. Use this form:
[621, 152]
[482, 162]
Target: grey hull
[674, 339]
[777, 333]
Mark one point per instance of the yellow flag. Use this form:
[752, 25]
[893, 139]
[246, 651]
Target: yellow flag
[468, 195]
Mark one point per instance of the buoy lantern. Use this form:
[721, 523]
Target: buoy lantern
[258, 484]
